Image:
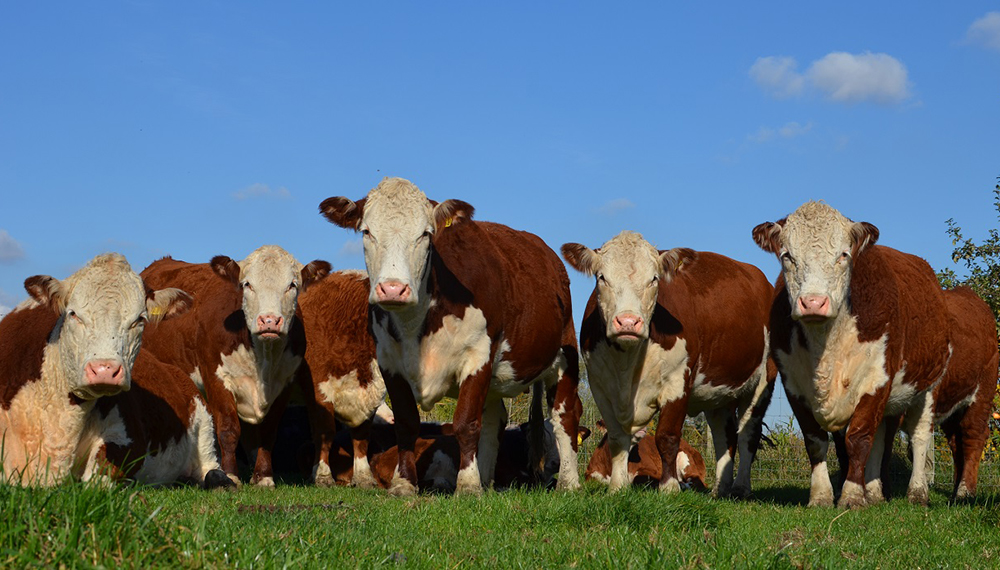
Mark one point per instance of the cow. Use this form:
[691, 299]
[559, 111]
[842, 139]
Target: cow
[157, 432]
[645, 466]
[70, 355]
[964, 398]
[241, 342]
[340, 376]
[468, 309]
[677, 332]
[860, 333]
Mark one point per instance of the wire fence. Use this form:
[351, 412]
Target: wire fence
[781, 460]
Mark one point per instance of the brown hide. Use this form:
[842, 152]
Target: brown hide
[973, 366]
[24, 334]
[334, 314]
[215, 326]
[645, 465]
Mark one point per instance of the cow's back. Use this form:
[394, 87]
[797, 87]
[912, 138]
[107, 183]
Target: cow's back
[214, 323]
[719, 306]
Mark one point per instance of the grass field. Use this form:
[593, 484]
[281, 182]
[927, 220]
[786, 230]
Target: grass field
[295, 526]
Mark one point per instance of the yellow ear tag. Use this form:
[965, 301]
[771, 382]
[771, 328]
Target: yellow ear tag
[449, 222]
[579, 439]
[157, 311]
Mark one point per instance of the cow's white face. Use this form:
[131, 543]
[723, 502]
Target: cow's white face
[397, 223]
[816, 245]
[271, 280]
[103, 309]
[628, 270]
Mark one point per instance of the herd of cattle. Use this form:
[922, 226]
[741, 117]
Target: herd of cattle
[163, 375]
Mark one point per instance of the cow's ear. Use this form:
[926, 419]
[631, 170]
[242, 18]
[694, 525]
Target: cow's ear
[766, 236]
[314, 271]
[164, 304]
[863, 235]
[581, 258]
[674, 260]
[47, 291]
[226, 268]
[343, 212]
[450, 213]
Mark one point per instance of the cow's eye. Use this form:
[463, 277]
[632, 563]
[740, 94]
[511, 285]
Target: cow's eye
[654, 280]
[247, 286]
[600, 278]
[292, 286]
[787, 258]
[139, 322]
[72, 314]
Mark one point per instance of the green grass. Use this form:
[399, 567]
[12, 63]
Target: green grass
[81, 526]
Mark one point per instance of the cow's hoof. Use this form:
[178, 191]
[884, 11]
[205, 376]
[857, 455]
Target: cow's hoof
[366, 481]
[852, 496]
[821, 498]
[324, 481]
[671, 486]
[469, 490]
[402, 488]
[741, 492]
[262, 482]
[217, 479]
[567, 485]
[873, 493]
[918, 496]
[963, 492]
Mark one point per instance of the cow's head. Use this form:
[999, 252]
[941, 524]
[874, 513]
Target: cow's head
[271, 280]
[816, 245]
[629, 271]
[103, 309]
[397, 223]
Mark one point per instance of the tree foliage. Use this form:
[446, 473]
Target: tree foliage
[981, 260]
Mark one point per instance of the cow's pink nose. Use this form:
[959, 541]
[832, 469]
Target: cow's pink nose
[628, 323]
[392, 292]
[269, 324]
[814, 306]
[105, 373]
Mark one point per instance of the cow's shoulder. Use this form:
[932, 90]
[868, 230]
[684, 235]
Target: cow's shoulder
[24, 334]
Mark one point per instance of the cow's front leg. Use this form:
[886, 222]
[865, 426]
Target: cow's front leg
[859, 441]
[817, 443]
[468, 428]
[265, 435]
[222, 405]
[362, 476]
[722, 422]
[407, 424]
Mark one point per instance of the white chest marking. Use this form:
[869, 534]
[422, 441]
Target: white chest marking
[352, 402]
[638, 381]
[256, 378]
[436, 364]
[834, 372]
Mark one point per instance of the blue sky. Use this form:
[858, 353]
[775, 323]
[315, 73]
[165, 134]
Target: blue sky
[194, 129]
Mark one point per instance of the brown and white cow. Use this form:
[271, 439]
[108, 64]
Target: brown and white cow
[474, 310]
[157, 432]
[964, 398]
[64, 354]
[340, 375]
[645, 466]
[241, 341]
[677, 332]
[860, 334]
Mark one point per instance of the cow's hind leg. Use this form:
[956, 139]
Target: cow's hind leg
[722, 422]
[918, 423]
[750, 426]
[494, 424]
[566, 409]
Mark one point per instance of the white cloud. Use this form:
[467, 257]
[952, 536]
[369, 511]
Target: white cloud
[614, 206]
[261, 190]
[354, 247]
[852, 78]
[7, 303]
[842, 77]
[790, 130]
[985, 31]
[777, 76]
[10, 249]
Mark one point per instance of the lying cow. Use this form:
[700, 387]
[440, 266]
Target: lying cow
[241, 342]
[472, 310]
[677, 332]
[645, 466]
[79, 398]
[340, 375]
[859, 333]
